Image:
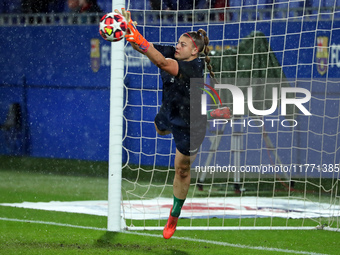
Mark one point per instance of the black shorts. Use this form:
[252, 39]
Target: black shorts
[187, 140]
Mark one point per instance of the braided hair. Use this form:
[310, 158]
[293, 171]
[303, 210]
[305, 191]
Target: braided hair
[202, 40]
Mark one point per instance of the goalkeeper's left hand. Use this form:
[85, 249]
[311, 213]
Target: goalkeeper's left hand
[133, 35]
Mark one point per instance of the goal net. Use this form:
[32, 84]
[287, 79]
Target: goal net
[274, 170]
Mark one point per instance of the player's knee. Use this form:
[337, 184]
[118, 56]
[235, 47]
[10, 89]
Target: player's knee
[183, 170]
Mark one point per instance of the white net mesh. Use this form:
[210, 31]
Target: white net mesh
[252, 171]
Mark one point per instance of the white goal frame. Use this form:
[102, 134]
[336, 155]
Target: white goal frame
[115, 222]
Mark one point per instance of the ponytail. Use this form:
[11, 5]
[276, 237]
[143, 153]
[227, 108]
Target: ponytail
[206, 50]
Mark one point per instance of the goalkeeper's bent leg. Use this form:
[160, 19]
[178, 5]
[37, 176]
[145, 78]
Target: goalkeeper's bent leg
[181, 187]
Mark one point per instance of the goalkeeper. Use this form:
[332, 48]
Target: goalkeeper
[180, 100]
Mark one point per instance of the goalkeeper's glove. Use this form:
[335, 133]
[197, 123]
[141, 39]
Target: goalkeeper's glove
[133, 35]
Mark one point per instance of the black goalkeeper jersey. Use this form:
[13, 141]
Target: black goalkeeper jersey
[182, 100]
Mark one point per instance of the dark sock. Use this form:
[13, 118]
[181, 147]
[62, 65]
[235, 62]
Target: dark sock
[177, 206]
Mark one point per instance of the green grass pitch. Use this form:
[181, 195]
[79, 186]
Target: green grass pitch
[27, 231]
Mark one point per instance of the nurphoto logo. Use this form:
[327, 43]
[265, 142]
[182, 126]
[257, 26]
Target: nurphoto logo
[238, 102]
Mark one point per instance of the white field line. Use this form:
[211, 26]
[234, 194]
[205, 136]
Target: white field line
[241, 246]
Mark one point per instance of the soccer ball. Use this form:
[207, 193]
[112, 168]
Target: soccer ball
[112, 27]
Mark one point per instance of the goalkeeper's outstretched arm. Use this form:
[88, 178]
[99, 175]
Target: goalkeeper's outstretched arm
[136, 47]
[140, 44]
[167, 64]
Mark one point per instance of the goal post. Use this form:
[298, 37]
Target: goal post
[283, 168]
[114, 220]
